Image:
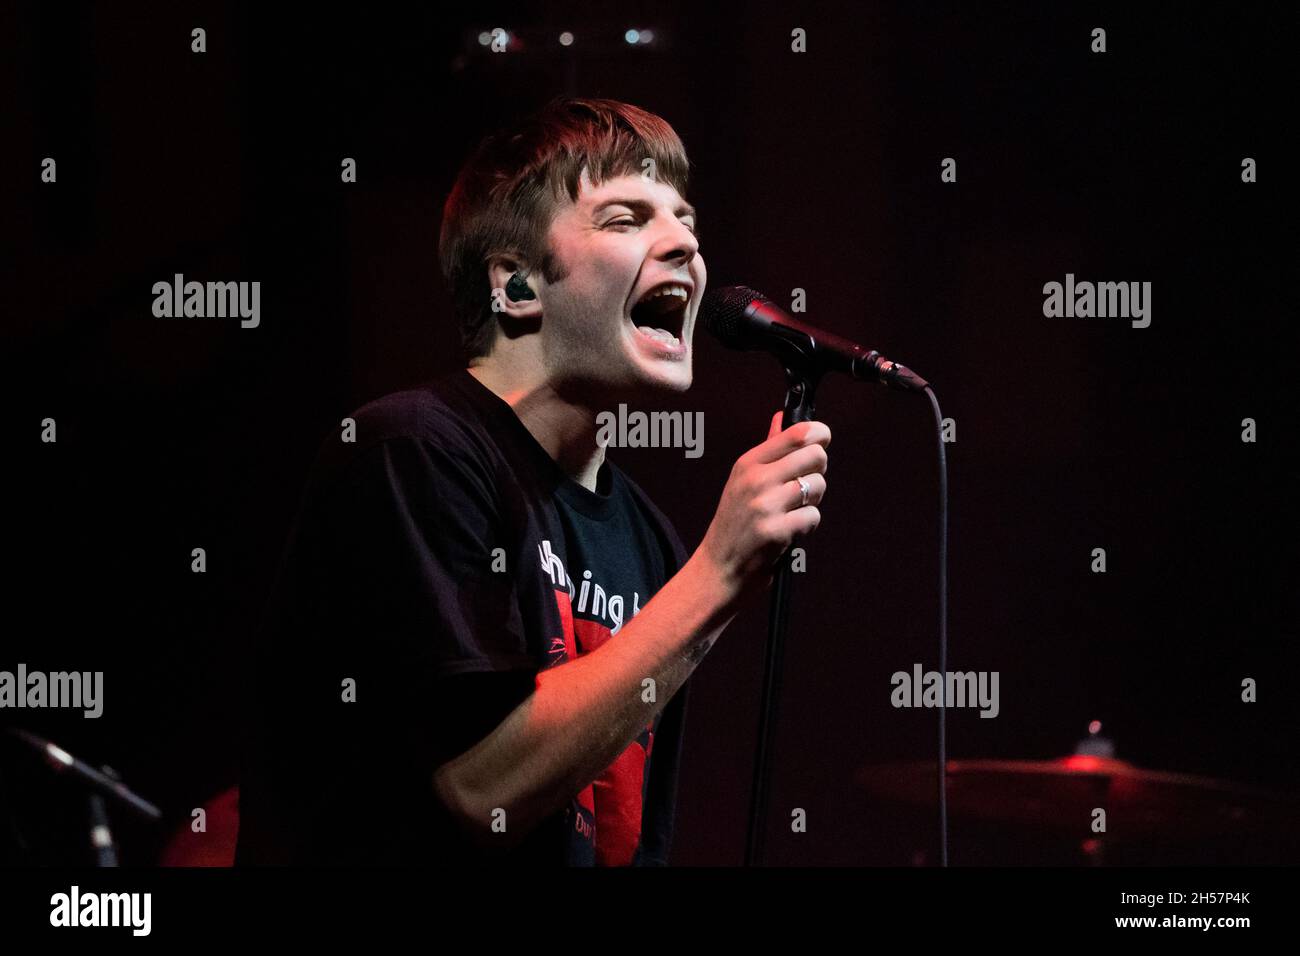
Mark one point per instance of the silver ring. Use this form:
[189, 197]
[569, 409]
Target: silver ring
[804, 488]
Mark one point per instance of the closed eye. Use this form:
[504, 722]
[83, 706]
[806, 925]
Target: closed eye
[632, 222]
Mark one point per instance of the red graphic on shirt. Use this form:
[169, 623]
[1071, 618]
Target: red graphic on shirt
[564, 648]
[614, 798]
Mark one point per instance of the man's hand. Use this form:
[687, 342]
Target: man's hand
[760, 512]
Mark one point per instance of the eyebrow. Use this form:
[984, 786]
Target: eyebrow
[641, 206]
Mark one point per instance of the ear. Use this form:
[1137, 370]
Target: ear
[500, 269]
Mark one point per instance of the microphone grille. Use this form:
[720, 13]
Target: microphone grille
[723, 310]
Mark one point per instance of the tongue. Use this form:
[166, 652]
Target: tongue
[659, 334]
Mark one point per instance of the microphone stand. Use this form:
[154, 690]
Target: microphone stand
[800, 399]
[103, 785]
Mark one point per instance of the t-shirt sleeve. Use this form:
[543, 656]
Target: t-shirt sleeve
[413, 608]
[421, 558]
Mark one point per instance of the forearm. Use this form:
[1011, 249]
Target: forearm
[585, 712]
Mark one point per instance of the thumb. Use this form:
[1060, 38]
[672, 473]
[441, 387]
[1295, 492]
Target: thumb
[775, 428]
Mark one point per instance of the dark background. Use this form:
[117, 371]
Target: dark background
[818, 171]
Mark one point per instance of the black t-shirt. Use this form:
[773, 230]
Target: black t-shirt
[437, 564]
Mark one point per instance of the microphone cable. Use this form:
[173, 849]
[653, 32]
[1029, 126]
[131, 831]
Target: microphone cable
[943, 630]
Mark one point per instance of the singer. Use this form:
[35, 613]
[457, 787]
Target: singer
[436, 679]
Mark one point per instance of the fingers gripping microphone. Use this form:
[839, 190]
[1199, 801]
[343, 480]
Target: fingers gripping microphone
[747, 320]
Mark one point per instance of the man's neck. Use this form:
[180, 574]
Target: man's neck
[567, 431]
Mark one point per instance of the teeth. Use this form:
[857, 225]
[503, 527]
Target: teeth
[659, 335]
[674, 290]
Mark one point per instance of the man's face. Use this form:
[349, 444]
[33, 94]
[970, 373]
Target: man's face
[618, 242]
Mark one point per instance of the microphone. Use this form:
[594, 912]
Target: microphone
[746, 320]
[63, 762]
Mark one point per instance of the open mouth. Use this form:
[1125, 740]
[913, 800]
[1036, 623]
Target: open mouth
[661, 314]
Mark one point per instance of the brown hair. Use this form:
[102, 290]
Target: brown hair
[509, 190]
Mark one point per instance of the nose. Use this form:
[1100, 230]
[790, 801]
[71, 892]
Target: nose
[679, 244]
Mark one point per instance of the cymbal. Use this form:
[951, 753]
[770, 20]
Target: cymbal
[1063, 794]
